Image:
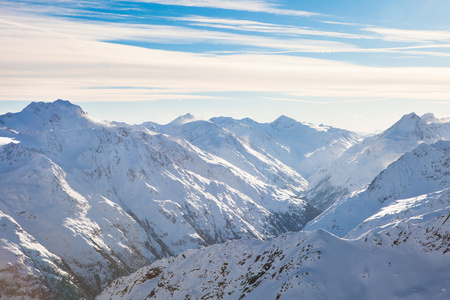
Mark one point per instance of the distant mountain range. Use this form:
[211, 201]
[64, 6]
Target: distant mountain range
[83, 202]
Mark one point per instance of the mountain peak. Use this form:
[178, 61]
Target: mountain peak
[248, 121]
[39, 115]
[411, 115]
[410, 118]
[56, 106]
[284, 121]
[182, 120]
[411, 125]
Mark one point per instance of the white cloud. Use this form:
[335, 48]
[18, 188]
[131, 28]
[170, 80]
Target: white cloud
[322, 102]
[297, 100]
[341, 23]
[360, 117]
[253, 26]
[80, 8]
[96, 31]
[406, 35]
[244, 5]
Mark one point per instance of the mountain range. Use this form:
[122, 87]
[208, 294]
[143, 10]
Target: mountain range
[84, 202]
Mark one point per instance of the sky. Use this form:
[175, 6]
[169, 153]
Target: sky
[358, 65]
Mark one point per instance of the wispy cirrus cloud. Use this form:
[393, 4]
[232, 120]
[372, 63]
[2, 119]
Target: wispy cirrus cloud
[360, 117]
[408, 35]
[169, 34]
[419, 39]
[278, 38]
[254, 26]
[324, 102]
[341, 23]
[166, 34]
[242, 5]
[51, 7]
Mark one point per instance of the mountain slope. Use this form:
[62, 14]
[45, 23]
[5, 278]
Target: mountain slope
[402, 217]
[240, 153]
[422, 171]
[310, 265]
[359, 164]
[402, 211]
[88, 235]
[28, 270]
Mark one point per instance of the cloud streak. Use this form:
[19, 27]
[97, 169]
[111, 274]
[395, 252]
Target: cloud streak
[244, 5]
[253, 26]
[321, 102]
[416, 36]
[164, 34]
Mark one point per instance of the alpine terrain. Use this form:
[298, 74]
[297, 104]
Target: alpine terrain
[359, 164]
[221, 208]
[84, 201]
[397, 246]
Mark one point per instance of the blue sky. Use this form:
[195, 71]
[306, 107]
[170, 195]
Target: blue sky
[358, 65]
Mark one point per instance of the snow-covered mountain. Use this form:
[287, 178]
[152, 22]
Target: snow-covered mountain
[359, 164]
[397, 247]
[284, 152]
[241, 153]
[424, 170]
[98, 200]
[83, 202]
[304, 147]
